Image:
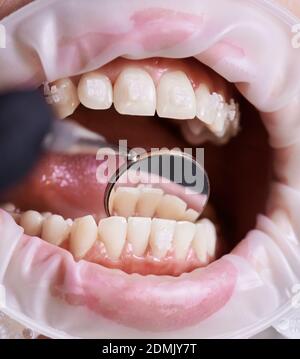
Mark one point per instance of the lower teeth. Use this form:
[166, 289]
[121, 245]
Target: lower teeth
[158, 238]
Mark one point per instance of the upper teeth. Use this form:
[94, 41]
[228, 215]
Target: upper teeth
[175, 96]
[134, 93]
[204, 111]
[62, 95]
[95, 91]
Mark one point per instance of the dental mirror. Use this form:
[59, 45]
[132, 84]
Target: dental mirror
[169, 184]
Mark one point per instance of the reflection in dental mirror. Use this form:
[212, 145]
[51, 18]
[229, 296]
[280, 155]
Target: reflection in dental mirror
[163, 184]
[168, 184]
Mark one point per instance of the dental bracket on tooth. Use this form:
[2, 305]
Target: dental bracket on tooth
[221, 118]
[135, 93]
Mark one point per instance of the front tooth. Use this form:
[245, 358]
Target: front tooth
[175, 96]
[112, 232]
[205, 239]
[95, 91]
[148, 201]
[138, 232]
[124, 201]
[31, 221]
[134, 93]
[161, 237]
[218, 127]
[190, 215]
[171, 207]
[62, 95]
[55, 230]
[219, 113]
[211, 109]
[183, 237]
[83, 236]
[203, 101]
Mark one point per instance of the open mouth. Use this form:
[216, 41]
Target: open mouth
[154, 265]
[152, 103]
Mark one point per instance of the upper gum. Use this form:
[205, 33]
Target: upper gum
[156, 67]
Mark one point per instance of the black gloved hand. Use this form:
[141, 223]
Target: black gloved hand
[25, 119]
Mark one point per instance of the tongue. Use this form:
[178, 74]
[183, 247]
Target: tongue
[62, 184]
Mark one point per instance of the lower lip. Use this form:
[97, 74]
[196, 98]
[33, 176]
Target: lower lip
[152, 303]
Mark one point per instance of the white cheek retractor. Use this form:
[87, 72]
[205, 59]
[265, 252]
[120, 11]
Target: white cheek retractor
[173, 172]
[260, 277]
